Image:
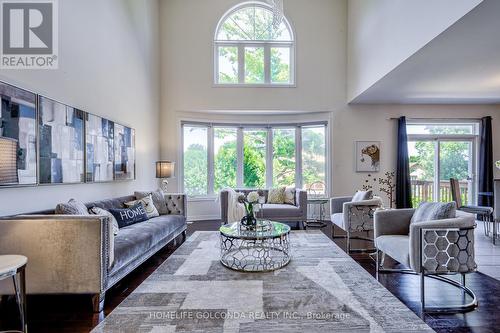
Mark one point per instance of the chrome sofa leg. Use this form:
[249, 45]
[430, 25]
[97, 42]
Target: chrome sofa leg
[348, 240]
[98, 302]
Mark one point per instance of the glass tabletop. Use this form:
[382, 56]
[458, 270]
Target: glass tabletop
[234, 230]
[317, 200]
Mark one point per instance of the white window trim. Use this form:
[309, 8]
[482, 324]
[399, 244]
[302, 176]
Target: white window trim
[266, 44]
[212, 195]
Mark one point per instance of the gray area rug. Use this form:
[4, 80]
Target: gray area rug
[321, 290]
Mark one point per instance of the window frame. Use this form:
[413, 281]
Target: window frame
[474, 138]
[211, 194]
[266, 44]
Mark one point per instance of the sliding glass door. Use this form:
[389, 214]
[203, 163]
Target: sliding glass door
[456, 161]
[433, 163]
[438, 153]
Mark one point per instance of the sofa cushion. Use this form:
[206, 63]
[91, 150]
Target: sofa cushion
[396, 246]
[135, 240]
[129, 216]
[362, 195]
[276, 195]
[338, 220]
[430, 211]
[158, 200]
[281, 210]
[72, 207]
[148, 204]
[104, 212]
[111, 203]
[290, 193]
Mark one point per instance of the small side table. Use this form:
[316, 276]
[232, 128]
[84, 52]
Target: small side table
[321, 202]
[15, 266]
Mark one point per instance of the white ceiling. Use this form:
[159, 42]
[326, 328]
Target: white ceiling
[460, 66]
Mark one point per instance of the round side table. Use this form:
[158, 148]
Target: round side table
[14, 266]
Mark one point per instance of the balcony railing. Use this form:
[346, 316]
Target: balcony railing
[423, 190]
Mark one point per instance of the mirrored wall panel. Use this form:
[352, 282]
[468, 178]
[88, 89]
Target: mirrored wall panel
[100, 149]
[61, 129]
[17, 136]
[124, 141]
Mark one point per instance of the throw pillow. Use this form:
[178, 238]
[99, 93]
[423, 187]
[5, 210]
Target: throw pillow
[430, 211]
[148, 204]
[158, 200]
[290, 195]
[104, 212]
[276, 195]
[362, 195]
[129, 216]
[72, 207]
[113, 230]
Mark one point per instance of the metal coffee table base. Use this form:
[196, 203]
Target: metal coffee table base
[261, 255]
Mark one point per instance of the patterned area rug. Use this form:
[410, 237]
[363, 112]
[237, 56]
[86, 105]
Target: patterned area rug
[321, 290]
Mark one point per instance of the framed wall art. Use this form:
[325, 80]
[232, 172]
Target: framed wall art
[99, 149]
[124, 143]
[61, 130]
[18, 140]
[367, 156]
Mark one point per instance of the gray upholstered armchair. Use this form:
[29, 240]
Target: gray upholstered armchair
[432, 248]
[354, 217]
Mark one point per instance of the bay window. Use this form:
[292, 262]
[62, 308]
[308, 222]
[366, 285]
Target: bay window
[216, 156]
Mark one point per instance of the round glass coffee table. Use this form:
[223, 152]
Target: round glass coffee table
[263, 250]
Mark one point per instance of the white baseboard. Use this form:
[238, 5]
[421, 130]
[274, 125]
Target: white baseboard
[195, 218]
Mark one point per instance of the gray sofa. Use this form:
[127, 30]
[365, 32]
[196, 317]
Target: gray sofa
[70, 254]
[275, 212]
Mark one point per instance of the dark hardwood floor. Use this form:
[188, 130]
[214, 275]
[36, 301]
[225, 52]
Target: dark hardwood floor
[74, 314]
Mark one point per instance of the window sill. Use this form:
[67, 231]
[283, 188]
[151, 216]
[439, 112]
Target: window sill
[264, 85]
[202, 199]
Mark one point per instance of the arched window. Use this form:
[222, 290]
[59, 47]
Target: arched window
[251, 50]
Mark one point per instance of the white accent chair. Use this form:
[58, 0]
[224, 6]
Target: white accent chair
[431, 247]
[354, 215]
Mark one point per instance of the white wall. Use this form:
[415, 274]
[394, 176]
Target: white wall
[384, 33]
[187, 32]
[371, 123]
[108, 65]
[188, 93]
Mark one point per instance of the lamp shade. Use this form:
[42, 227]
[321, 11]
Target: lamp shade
[8, 161]
[165, 169]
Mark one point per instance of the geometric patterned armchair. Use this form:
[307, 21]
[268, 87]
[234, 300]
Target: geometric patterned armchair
[431, 249]
[354, 215]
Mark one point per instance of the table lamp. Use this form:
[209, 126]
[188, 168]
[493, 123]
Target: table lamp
[164, 171]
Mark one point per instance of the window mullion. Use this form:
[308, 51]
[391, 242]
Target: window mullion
[267, 64]
[437, 170]
[241, 63]
[269, 158]
[298, 157]
[239, 157]
[210, 157]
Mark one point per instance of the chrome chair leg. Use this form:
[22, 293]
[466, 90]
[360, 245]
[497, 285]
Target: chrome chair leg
[422, 292]
[20, 289]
